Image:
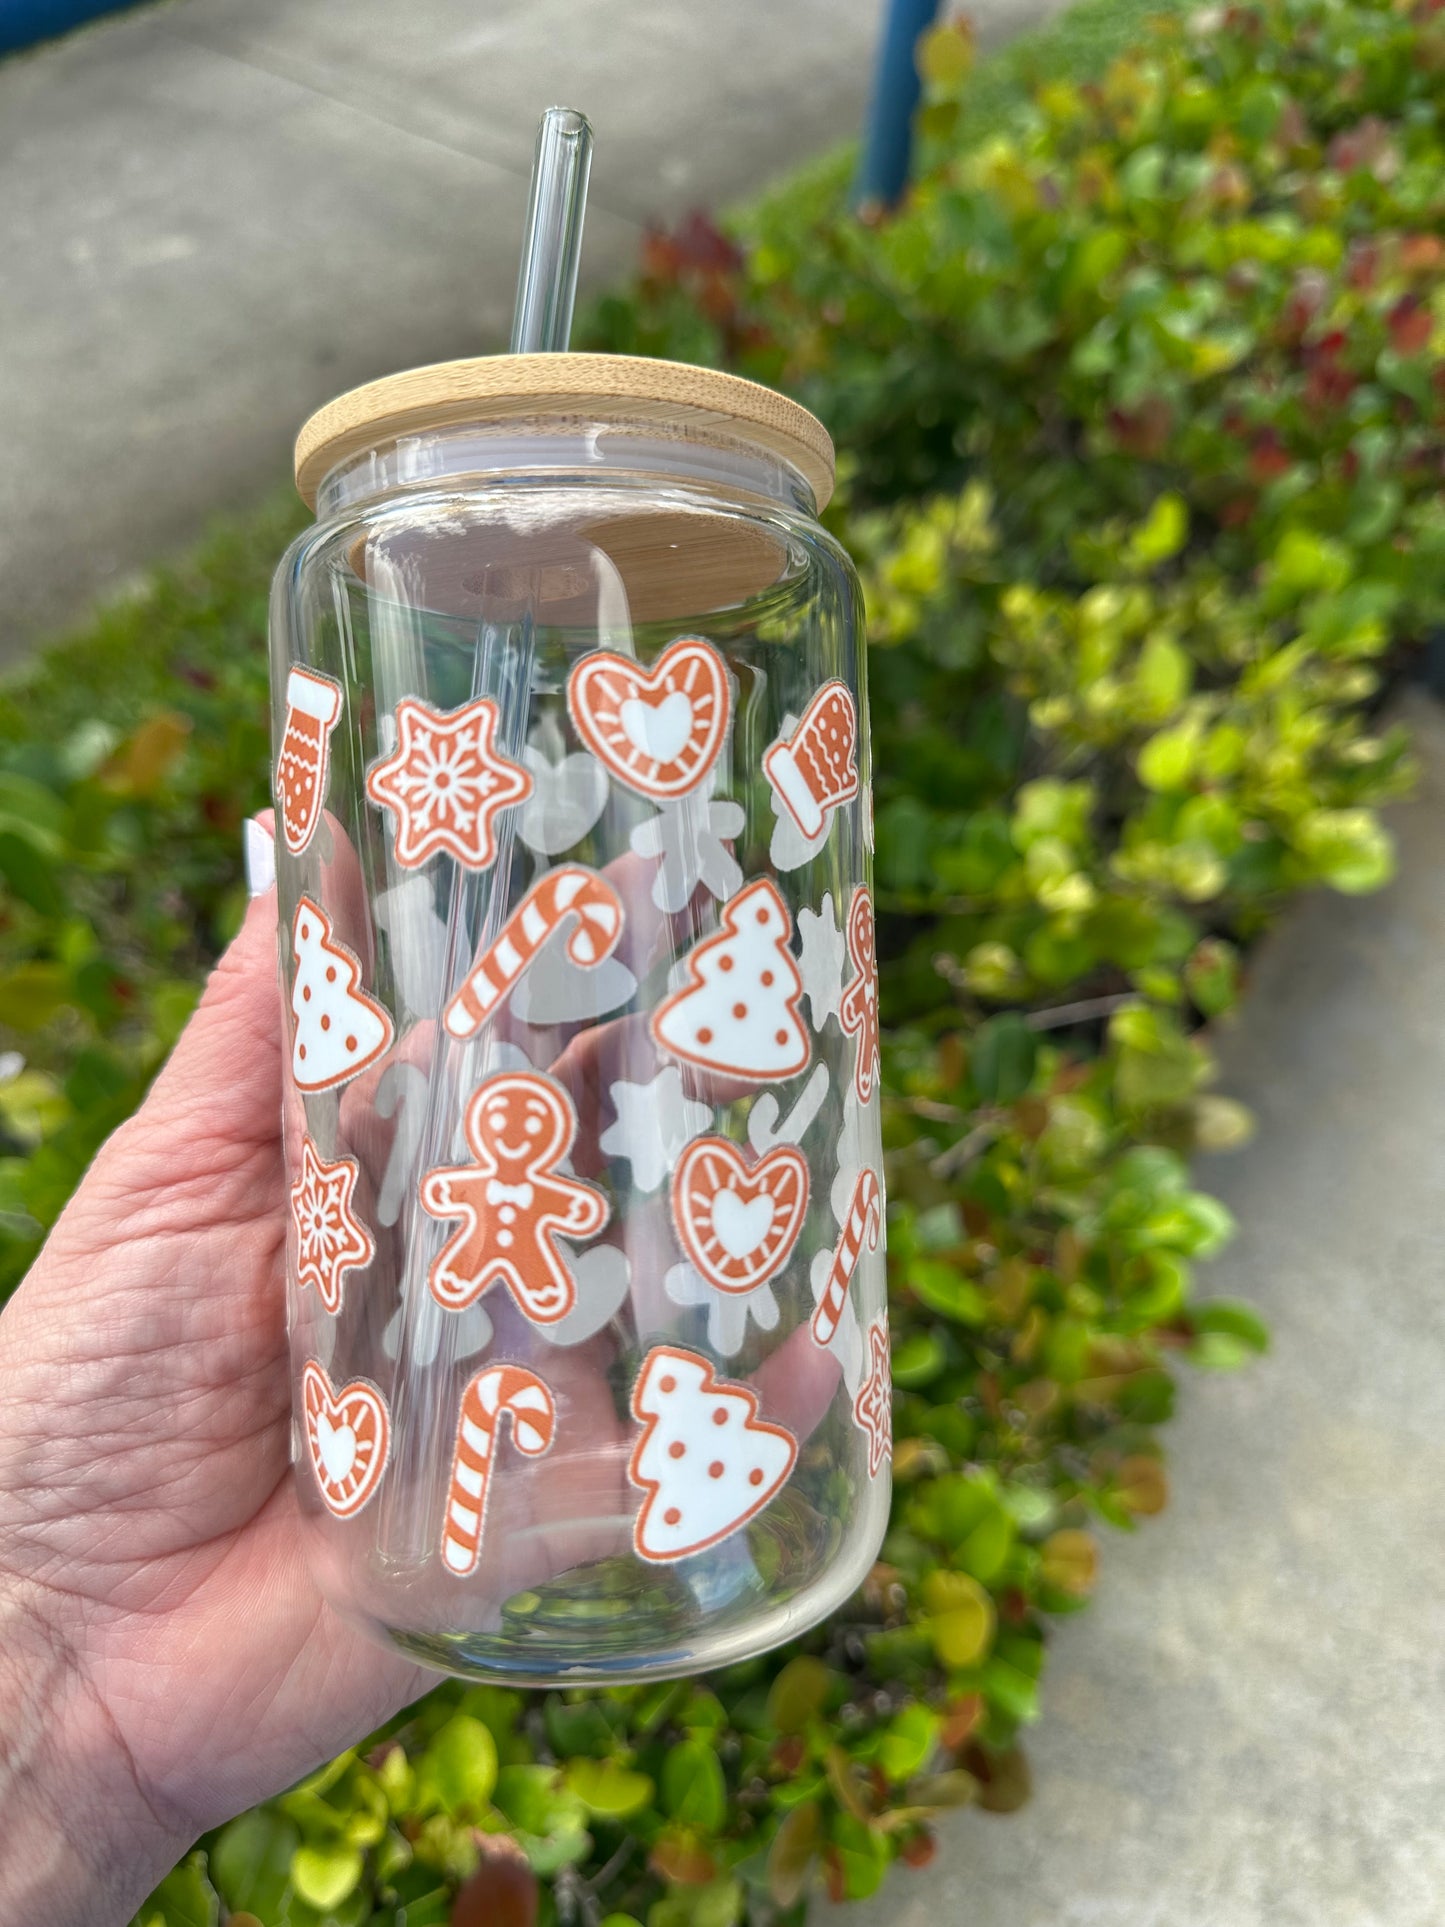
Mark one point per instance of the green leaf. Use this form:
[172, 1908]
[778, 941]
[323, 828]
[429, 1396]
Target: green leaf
[798, 1694]
[1003, 1057]
[31, 994]
[326, 1875]
[907, 1743]
[30, 872]
[1166, 762]
[793, 1853]
[251, 1863]
[693, 1789]
[862, 1854]
[184, 1898]
[605, 1787]
[1161, 534]
[461, 1765]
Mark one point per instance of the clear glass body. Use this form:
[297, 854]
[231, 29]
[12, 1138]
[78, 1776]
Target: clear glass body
[586, 1279]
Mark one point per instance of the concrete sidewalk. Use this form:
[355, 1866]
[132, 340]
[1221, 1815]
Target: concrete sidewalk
[1248, 1728]
[216, 214]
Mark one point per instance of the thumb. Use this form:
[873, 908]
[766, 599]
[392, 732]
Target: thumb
[223, 1081]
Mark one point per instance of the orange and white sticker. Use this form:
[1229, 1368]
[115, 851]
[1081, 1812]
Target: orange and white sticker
[873, 1407]
[570, 891]
[348, 1435]
[815, 770]
[313, 704]
[738, 1222]
[858, 1007]
[501, 1391]
[706, 1462]
[738, 1012]
[339, 1028]
[658, 730]
[330, 1238]
[446, 782]
[864, 1222]
[513, 1202]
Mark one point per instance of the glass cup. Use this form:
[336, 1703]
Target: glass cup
[586, 1273]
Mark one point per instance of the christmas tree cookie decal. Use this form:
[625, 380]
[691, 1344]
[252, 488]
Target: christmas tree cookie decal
[706, 1462]
[738, 1013]
[339, 1029]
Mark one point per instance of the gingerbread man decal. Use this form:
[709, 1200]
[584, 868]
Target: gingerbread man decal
[513, 1202]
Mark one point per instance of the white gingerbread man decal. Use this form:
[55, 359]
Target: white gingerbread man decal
[513, 1202]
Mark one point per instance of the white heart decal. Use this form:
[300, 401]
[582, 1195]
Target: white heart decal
[741, 1227]
[337, 1446]
[659, 730]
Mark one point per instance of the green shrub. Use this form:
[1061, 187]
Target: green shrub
[1142, 440]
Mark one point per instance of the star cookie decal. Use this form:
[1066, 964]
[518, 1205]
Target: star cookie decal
[446, 782]
[873, 1407]
[331, 1240]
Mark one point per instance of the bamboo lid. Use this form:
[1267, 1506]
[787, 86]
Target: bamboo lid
[670, 395]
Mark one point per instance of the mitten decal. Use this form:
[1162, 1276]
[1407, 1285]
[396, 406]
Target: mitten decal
[330, 1239]
[499, 1391]
[348, 1435]
[339, 1029]
[873, 1407]
[513, 1202]
[815, 769]
[658, 731]
[738, 1223]
[313, 703]
[864, 1221]
[858, 1009]
[446, 782]
[706, 1462]
[572, 891]
[738, 1014]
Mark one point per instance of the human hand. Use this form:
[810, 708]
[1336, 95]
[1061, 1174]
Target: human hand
[165, 1657]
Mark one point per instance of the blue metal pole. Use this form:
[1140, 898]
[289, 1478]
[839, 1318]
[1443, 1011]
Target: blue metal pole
[888, 137]
[23, 22]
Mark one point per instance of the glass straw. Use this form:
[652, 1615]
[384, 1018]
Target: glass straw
[541, 324]
[552, 237]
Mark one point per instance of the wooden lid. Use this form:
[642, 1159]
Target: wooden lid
[670, 395]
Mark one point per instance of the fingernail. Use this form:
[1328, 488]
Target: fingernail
[260, 852]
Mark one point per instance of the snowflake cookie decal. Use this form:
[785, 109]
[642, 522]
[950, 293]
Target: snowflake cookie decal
[330, 1239]
[446, 782]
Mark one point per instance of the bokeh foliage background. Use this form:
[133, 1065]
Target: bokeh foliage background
[1142, 421]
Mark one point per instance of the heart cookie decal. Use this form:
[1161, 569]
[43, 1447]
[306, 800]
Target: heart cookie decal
[659, 730]
[348, 1434]
[738, 1222]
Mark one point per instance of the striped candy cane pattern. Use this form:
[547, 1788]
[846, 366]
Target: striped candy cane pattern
[571, 890]
[498, 1390]
[865, 1219]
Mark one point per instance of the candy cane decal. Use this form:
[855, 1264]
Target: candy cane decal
[498, 1391]
[569, 891]
[865, 1219]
